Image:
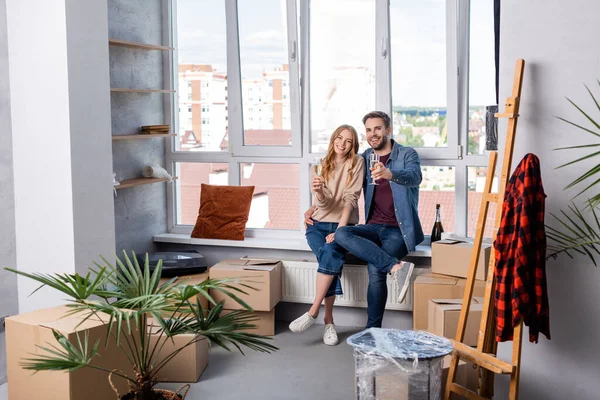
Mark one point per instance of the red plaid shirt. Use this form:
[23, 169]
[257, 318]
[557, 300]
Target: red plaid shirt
[520, 250]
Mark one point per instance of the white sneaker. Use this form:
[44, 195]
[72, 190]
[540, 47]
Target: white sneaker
[330, 337]
[302, 323]
[402, 278]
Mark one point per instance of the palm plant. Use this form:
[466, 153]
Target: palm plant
[133, 299]
[578, 229]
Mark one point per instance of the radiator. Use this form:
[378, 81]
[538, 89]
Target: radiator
[298, 286]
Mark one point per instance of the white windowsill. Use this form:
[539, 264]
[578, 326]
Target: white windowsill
[259, 243]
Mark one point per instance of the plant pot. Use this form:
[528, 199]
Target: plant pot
[162, 394]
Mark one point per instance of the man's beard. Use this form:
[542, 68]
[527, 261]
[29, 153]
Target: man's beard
[382, 144]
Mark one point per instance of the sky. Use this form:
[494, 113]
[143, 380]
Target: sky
[343, 34]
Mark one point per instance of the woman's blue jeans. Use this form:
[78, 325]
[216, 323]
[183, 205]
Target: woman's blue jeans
[330, 256]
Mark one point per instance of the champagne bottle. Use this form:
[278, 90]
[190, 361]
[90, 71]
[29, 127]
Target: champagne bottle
[436, 232]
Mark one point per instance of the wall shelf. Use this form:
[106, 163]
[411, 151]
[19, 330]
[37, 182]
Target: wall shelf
[136, 45]
[142, 136]
[141, 90]
[129, 183]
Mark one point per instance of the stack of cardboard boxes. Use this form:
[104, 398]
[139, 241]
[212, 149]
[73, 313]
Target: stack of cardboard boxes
[27, 331]
[438, 295]
[264, 278]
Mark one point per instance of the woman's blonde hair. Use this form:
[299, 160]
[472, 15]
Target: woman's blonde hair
[329, 160]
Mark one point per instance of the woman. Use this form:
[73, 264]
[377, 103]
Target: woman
[335, 202]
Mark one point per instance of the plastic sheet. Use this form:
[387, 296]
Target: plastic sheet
[395, 364]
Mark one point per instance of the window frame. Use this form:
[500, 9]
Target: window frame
[234, 78]
[298, 26]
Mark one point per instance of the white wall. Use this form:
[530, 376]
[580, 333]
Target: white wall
[91, 143]
[58, 60]
[559, 42]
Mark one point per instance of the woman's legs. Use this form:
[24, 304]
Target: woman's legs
[331, 259]
[322, 288]
[328, 317]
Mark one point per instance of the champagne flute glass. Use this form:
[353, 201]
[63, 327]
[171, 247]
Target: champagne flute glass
[318, 165]
[373, 160]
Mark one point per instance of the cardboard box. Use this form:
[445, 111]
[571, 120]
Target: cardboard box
[265, 323]
[466, 376]
[193, 279]
[445, 313]
[262, 275]
[429, 286]
[185, 367]
[452, 257]
[26, 331]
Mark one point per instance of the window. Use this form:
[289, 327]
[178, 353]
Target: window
[191, 177]
[202, 70]
[482, 91]
[438, 187]
[342, 68]
[420, 103]
[276, 202]
[402, 58]
[476, 182]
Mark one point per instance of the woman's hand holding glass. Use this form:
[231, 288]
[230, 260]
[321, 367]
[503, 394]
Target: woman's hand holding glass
[317, 184]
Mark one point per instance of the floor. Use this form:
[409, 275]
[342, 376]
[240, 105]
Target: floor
[303, 368]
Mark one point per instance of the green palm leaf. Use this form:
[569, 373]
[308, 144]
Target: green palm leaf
[575, 232]
[595, 199]
[580, 234]
[68, 358]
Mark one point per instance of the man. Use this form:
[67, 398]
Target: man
[392, 228]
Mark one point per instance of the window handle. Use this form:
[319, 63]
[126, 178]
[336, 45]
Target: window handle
[293, 50]
[384, 51]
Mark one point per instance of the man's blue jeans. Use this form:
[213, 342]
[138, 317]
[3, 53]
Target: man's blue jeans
[381, 246]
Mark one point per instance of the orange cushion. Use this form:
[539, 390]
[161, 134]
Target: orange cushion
[223, 212]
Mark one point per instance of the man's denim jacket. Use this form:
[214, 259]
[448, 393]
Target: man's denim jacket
[405, 164]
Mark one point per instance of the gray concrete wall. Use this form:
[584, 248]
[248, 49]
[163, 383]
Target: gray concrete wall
[558, 41]
[8, 255]
[140, 212]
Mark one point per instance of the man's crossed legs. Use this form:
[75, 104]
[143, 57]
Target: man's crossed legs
[382, 247]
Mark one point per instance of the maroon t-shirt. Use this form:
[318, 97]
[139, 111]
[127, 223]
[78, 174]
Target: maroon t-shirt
[382, 207]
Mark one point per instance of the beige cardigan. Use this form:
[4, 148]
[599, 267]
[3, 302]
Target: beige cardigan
[337, 193]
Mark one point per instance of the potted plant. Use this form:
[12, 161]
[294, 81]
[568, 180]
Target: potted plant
[578, 229]
[129, 295]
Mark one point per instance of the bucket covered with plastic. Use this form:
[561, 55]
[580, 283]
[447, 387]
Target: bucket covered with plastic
[396, 364]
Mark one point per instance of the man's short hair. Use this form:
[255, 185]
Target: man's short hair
[378, 114]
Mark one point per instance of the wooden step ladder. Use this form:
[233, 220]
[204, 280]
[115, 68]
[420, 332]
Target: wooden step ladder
[484, 355]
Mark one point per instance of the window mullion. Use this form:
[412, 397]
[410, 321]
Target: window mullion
[234, 172]
[461, 200]
[294, 66]
[304, 39]
[452, 77]
[169, 27]
[463, 73]
[234, 80]
[383, 79]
